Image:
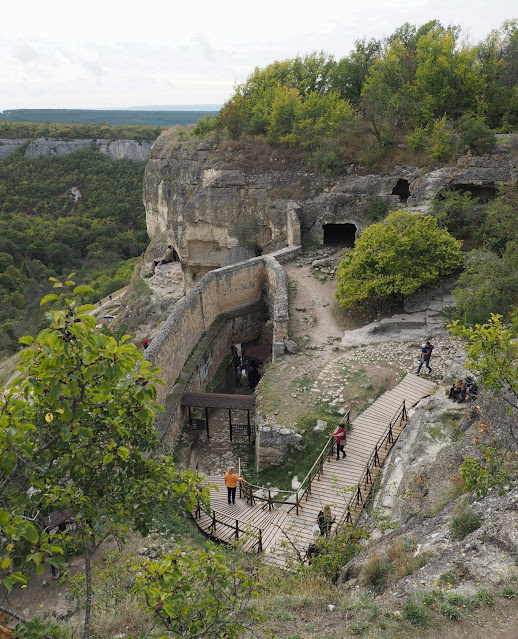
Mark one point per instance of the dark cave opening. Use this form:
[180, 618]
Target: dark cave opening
[339, 235]
[402, 189]
[484, 194]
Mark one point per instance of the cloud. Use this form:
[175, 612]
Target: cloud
[23, 52]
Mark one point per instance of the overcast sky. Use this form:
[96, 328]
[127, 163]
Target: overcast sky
[114, 54]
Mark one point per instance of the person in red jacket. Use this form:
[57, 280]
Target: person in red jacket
[340, 441]
[231, 480]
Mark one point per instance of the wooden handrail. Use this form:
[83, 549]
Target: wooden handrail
[373, 461]
[298, 494]
[234, 526]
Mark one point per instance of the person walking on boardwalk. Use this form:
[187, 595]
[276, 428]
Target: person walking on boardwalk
[231, 480]
[325, 520]
[426, 353]
[340, 440]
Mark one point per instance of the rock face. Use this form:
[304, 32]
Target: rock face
[275, 443]
[192, 204]
[195, 193]
[50, 147]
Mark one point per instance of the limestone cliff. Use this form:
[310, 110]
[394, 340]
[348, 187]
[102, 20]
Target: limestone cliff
[51, 147]
[194, 192]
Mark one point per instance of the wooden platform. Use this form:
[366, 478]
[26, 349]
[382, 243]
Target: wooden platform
[283, 532]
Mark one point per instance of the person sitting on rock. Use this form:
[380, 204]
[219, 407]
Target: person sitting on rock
[455, 390]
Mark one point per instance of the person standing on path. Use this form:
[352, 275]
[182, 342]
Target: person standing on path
[231, 480]
[340, 441]
[325, 520]
[426, 353]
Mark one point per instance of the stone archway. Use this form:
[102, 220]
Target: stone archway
[343, 235]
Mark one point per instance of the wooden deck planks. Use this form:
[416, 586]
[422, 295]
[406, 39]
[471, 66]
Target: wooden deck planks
[335, 485]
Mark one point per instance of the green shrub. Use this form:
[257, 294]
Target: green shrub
[464, 523]
[449, 610]
[441, 141]
[375, 572]
[475, 135]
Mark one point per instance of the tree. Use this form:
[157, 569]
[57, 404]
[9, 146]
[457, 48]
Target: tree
[488, 284]
[76, 434]
[492, 351]
[395, 258]
[197, 594]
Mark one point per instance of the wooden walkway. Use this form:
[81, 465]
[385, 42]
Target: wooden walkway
[344, 484]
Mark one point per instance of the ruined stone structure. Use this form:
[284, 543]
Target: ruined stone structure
[228, 306]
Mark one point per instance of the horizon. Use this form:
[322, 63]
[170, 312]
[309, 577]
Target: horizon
[113, 59]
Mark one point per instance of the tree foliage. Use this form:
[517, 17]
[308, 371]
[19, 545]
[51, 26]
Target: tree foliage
[488, 284]
[197, 594]
[80, 212]
[423, 79]
[395, 258]
[76, 431]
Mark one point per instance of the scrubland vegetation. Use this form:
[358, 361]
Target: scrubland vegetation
[76, 427]
[80, 213]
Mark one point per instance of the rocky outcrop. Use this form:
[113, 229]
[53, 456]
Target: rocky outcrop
[7, 146]
[192, 203]
[274, 442]
[195, 193]
[51, 147]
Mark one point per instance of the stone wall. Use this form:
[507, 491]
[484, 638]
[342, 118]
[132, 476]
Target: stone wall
[222, 309]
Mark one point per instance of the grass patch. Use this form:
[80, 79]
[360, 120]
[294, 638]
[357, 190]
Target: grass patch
[375, 573]
[448, 427]
[464, 523]
[416, 613]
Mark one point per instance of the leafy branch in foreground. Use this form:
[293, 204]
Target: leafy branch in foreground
[76, 433]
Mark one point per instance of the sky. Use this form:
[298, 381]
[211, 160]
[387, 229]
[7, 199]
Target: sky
[111, 54]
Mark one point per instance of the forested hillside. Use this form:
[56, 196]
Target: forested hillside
[82, 212]
[111, 117]
[422, 88]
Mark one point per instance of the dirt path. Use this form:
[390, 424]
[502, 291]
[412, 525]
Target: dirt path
[313, 307]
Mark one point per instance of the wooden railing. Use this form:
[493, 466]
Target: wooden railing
[255, 494]
[386, 441]
[238, 527]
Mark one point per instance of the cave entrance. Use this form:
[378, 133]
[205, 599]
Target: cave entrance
[484, 194]
[402, 189]
[339, 234]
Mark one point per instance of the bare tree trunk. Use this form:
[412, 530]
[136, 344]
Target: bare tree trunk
[88, 602]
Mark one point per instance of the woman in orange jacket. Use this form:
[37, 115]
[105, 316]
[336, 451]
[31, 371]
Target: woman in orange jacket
[231, 480]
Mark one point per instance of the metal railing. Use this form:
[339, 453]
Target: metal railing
[386, 441]
[255, 494]
[238, 527]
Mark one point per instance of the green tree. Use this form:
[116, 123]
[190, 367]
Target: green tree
[488, 284]
[349, 75]
[197, 594]
[492, 351]
[395, 258]
[76, 432]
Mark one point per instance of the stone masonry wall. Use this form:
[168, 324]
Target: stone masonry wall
[206, 322]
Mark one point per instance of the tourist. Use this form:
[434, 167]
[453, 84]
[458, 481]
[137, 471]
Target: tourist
[231, 480]
[325, 520]
[426, 353]
[312, 549]
[340, 435]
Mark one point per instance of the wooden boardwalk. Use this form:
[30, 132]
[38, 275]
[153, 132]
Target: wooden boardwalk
[283, 532]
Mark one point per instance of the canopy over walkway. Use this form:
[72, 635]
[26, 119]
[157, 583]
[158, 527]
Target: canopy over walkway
[280, 523]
